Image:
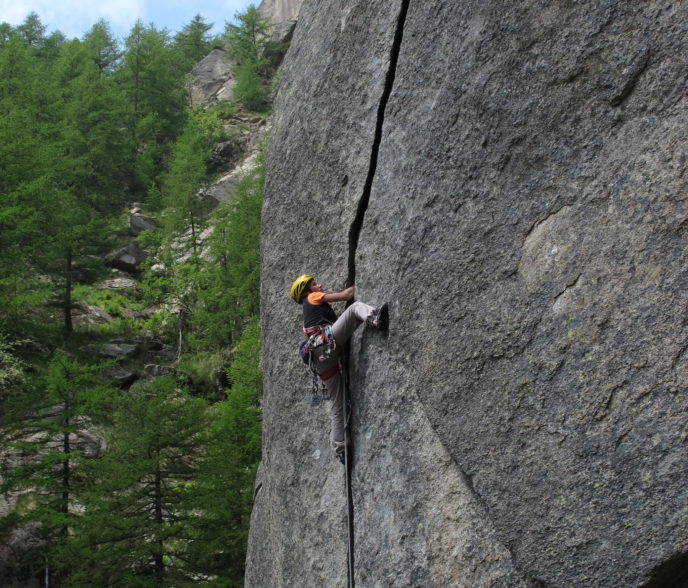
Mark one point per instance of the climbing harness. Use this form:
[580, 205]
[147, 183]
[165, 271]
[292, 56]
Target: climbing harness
[322, 339]
[320, 344]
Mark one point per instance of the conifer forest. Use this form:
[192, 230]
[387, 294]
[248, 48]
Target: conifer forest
[129, 396]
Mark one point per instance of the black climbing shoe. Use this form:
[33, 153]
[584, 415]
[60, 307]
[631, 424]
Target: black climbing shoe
[380, 318]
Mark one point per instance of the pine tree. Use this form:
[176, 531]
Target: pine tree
[230, 291]
[103, 47]
[188, 173]
[247, 39]
[26, 150]
[194, 42]
[224, 488]
[44, 427]
[247, 42]
[152, 79]
[83, 124]
[134, 528]
[32, 31]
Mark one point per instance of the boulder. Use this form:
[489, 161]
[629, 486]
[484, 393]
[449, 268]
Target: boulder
[223, 188]
[21, 544]
[122, 376]
[118, 282]
[156, 371]
[225, 154]
[138, 224]
[211, 77]
[511, 179]
[128, 259]
[88, 443]
[87, 315]
[119, 350]
[283, 32]
[279, 41]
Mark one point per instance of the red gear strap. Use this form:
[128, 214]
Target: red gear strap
[327, 374]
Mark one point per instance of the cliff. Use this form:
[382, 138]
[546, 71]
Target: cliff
[280, 10]
[513, 181]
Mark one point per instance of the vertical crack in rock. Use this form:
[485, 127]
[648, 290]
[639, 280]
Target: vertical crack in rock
[355, 233]
[357, 224]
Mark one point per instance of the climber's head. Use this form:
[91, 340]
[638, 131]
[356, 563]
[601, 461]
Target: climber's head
[300, 286]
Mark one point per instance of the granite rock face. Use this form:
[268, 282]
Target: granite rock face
[513, 181]
[280, 10]
[211, 79]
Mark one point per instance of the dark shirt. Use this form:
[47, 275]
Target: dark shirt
[315, 315]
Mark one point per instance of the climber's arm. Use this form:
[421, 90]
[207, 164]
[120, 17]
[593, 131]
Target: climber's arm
[347, 294]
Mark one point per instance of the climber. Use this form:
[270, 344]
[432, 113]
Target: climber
[320, 323]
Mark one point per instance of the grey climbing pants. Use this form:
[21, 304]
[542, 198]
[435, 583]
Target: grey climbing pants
[342, 330]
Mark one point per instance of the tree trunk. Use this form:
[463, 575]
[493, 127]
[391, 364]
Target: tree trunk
[68, 327]
[66, 467]
[158, 561]
[193, 233]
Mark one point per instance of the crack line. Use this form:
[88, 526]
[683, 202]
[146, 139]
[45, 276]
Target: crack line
[357, 224]
[354, 235]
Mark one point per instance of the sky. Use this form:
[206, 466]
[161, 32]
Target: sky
[75, 17]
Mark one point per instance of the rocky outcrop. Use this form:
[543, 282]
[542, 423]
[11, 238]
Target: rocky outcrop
[127, 259]
[138, 224]
[226, 153]
[211, 79]
[280, 10]
[87, 315]
[512, 180]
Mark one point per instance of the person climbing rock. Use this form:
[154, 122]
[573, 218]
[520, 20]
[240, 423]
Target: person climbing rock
[327, 335]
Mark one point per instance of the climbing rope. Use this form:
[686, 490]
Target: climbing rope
[347, 466]
[318, 394]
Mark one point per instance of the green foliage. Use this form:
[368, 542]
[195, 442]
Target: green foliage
[250, 89]
[225, 110]
[248, 42]
[205, 372]
[32, 31]
[46, 420]
[12, 370]
[230, 289]
[61, 142]
[85, 126]
[103, 47]
[114, 303]
[193, 42]
[187, 172]
[138, 505]
[152, 78]
[225, 483]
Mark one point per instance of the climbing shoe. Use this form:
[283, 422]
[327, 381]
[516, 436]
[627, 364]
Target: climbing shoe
[380, 318]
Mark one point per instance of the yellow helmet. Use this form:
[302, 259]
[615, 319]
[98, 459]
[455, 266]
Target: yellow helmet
[299, 287]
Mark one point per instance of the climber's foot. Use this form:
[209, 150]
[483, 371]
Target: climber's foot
[380, 318]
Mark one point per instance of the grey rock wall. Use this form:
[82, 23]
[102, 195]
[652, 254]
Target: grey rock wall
[211, 79]
[280, 10]
[523, 186]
